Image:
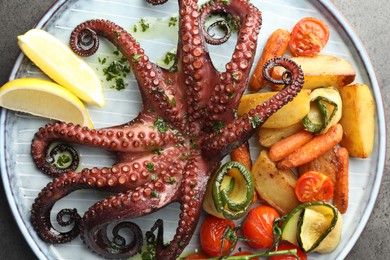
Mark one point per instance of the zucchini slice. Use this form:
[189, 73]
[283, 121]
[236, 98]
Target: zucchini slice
[231, 191]
[325, 110]
[313, 226]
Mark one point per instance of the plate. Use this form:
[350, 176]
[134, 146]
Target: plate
[22, 181]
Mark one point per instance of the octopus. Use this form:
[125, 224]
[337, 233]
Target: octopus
[187, 124]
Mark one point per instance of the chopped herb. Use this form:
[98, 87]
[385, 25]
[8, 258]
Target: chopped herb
[116, 71]
[118, 33]
[172, 101]
[150, 252]
[150, 167]
[135, 28]
[63, 160]
[136, 57]
[154, 177]
[193, 145]
[144, 25]
[255, 121]
[235, 75]
[154, 194]
[185, 156]
[102, 61]
[218, 125]
[169, 81]
[172, 21]
[231, 95]
[169, 57]
[158, 151]
[226, 2]
[161, 125]
[171, 180]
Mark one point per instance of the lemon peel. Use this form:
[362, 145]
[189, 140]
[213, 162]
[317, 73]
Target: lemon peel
[63, 66]
[44, 98]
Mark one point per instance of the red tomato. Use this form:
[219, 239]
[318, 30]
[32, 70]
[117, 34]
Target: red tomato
[314, 186]
[288, 246]
[245, 253]
[196, 256]
[258, 226]
[308, 37]
[212, 233]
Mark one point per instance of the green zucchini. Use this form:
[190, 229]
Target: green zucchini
[313, 226]
[231, 191]
[325, 110]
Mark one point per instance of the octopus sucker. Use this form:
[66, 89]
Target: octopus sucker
[168, 153]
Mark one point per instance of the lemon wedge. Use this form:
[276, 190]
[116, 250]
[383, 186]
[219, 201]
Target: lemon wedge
[59, 62]
[44, 98]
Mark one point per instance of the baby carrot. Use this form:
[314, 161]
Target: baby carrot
[316, 147]
[289, 144]
[276, 46]
[340, 198]
[242, 155]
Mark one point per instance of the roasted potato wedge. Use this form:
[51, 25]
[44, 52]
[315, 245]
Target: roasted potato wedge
[358, 120]
[275, 187]
[326, 164]
[288, 115]
[269, 136]
[321, 71]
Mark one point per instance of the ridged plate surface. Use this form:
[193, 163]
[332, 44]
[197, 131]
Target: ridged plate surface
[23, 181]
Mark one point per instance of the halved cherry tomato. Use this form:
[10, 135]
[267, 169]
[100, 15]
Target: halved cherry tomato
[288, 246]
[242, 253]
[308, 37]
[196, 256]
[314, 186]
[257, 227]
[215, 235]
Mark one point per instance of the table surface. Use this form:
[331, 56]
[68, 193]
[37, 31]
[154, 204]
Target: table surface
[368, 18]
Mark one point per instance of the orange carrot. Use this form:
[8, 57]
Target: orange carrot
[340, 198]
[276, 46]
[316, 147]
[289, 144]
[242, 155]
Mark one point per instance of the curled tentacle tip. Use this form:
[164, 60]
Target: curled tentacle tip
[217, 41]
[84, 41]
[156, 2]
[287, 76]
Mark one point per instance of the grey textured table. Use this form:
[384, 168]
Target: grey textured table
[371, 23]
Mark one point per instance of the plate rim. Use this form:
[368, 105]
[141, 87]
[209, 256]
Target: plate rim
[368, 66]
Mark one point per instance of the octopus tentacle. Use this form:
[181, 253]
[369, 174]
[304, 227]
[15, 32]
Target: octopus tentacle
[131, 204]
[232, 83]
[195, 178]
[217, 41]
[237, 132]
[156, 93]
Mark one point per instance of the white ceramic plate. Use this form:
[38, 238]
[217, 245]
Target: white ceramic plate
[23, 181]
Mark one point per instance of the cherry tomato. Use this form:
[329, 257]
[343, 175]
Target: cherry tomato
[258, 226]
[314, 186]
[308, 37]
[242, 253]
[196, 256]
[288, 246]
[214, 238]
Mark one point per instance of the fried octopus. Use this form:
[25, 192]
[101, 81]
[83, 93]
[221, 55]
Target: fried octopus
[187, 124]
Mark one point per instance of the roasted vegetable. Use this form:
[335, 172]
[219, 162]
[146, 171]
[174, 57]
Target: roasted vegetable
[288, 115]
[325, 110]
[276, 46]
[269, 136]
[230, 192]
[358, 120]
[341, 196]
[314, 226]
[316, 147]
[275, 187]
[326, 164]
[321, 71]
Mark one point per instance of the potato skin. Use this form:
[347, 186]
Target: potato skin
[290, 114]
[321, 71]
[358, 120]
[275, 187]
